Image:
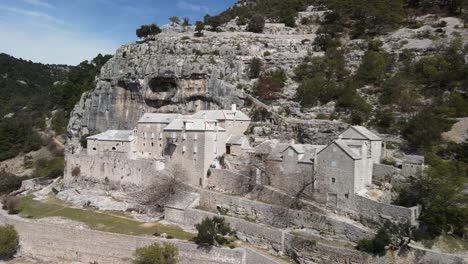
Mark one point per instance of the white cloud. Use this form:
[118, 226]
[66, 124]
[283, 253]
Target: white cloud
[188, 6]
[33, 14]
[42, 43]
[39, 3]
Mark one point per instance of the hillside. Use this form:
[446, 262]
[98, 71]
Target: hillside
[404, 76]
[35, 103]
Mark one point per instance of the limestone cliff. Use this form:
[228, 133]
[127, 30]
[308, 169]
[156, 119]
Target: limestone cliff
[176, 72]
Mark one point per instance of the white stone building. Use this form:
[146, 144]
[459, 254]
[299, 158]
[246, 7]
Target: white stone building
[192, 142]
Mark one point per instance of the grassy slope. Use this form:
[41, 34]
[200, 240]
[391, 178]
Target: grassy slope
[101, 221]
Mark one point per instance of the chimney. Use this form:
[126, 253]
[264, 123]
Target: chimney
[292, 142]
[234, 107]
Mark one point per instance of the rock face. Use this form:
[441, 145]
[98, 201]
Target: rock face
[176, 72]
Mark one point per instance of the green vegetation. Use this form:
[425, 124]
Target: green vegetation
[212, 231]
[102, 221]
[440, 191]
[174, 20]
[199, 27]
[148, 30]
[255, 67]
[388, 235]
[8, 242]
[51, 169]
[256, 24]
[375, 64]
[30, 92]
[284, 11]
[9, 182]
[157, 254]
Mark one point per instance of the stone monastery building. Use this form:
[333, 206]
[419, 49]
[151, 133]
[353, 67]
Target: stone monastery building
[194, 142]
[337, 175]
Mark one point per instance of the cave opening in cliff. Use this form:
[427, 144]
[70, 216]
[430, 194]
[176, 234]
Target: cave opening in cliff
[158, 85]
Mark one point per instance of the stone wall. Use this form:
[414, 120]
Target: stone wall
[73, 244]
[281, 217]
[229, 181]
[110, 168]
[304, 250]
[382, 211]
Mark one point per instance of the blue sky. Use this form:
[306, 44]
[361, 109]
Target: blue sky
[70, 31]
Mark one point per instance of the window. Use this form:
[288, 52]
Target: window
[184, 149]
[195, 149]
[195, 137]
[113, 148]
[346, 195]
[333, 163]
[152, 144]
[333, 180]
[94, 148]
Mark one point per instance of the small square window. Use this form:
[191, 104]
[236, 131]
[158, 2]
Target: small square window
[333, 163]
[333, 180]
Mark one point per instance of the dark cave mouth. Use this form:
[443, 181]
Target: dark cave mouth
[162, 85]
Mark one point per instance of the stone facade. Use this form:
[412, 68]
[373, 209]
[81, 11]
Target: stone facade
[191, 143]
[333, 175]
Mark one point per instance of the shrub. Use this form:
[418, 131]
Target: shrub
[256, 24]
[389, 161]
[278, 77]
[321, 116]
[260, 115]
[174, 20]
[199, 27]
[267, 88]
[8, 242]
[256, 65]
[440, 192]
[157, 254]
[148, 30]
[388, 235]
[49, 168]
[12, 204]
[9, 182]
[212, 231]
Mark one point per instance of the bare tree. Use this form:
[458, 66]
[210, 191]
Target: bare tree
[164, 187]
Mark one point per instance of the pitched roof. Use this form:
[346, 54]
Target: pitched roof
[194, 125]
[222, 115]
[346, 149]
[235, 140]
[363, 132]
[266, 147]
[308, 152]
[158, 118]
[114, 135]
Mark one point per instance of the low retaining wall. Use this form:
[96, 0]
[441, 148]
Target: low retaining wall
[229, 181]
[281, 217]
[73, 244]
[280, 240]
[378, 211]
